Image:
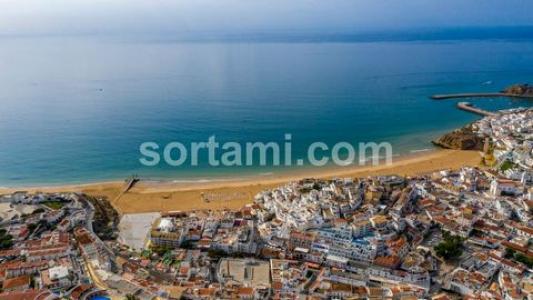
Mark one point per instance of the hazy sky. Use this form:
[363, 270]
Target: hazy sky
[234, 16]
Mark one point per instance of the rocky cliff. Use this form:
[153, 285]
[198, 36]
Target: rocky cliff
[460, 139]
[519, 89]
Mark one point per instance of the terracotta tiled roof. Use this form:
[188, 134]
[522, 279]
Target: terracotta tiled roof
[24, 295]
[387, 261]
[16, 282]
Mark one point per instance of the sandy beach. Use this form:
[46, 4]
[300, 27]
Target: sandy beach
[152, 196]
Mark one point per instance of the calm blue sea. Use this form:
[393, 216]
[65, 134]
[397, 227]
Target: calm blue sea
[77, 109]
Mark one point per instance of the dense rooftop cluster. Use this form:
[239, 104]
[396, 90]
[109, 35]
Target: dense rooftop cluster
[51, 247]
[464, 232]
[511, 137]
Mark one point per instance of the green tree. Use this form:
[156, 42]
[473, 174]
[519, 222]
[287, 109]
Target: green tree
[509, 253]
[38, 211]
[451, 246]
[6, 240]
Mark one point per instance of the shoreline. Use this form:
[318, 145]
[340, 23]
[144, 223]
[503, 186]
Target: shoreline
[221, 178]
[233, 193]
[279, 173]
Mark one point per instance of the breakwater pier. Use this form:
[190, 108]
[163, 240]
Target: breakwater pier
[480, 95]
[467, 106]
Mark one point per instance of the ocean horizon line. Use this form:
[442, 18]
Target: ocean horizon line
[461, 33]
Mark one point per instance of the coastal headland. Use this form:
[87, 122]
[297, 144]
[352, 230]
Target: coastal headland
[155, 196]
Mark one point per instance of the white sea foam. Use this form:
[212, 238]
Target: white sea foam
[266, 174]
[420, 150]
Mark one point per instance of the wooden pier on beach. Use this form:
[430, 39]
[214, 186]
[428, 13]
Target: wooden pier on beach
[130, 182]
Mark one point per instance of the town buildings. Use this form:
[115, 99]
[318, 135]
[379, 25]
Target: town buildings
[450, 234]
